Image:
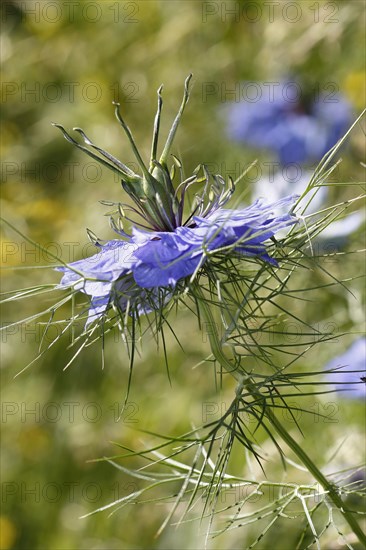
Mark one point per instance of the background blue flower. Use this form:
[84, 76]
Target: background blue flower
[351, 384]
[281, 122]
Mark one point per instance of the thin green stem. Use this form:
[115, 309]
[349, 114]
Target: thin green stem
[154, 145]
[245, 381]
[173, 130]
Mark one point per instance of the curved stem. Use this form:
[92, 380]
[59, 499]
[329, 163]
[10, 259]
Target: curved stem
[245, 381]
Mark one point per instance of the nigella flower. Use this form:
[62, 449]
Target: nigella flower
[139, 272]
[296, 131]
[157, 260]
[349, 370]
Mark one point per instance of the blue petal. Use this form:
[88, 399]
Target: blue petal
[162, 262]
[95, 275]
[115, 258]
[254, 224]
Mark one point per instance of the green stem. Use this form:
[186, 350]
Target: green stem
[327, 485]
[173, 129]
[219, 355]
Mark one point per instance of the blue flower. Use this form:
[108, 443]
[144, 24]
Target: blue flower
[350, 381]
[281, 123]
[156, 260]
[140, 273]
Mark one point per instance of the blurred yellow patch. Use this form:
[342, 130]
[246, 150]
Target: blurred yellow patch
[7, 533]
[45, 210]
[355, 86]
[34, 442]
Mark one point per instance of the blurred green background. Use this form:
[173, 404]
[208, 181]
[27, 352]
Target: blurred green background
[66, 62]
